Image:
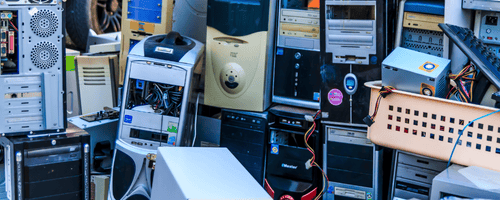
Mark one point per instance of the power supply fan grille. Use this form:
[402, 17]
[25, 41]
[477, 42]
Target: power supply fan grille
[44, 23]
[44, 55]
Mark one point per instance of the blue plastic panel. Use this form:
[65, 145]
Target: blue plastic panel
[145, 10]
[435, 7]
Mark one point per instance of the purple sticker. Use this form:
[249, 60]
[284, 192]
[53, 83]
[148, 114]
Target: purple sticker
[335, 97]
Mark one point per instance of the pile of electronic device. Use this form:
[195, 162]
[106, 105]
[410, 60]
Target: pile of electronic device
[41, 160]
[287, 75]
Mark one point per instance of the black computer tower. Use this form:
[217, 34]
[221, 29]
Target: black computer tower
[47, 167]
[244, 134]
[286, 174]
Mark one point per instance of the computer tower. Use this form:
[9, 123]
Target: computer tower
[356, 37]
[353, 164]
[297, 80]
[139, 20]
[245, 134]
[97, 83]
[190, 19]
[47, 167]
[417, 26]
[286, 174]
[160, 96]
[239, 54]
[33, 70]
[412, 175]
[198, 173]
[73, 105]
[466, 183]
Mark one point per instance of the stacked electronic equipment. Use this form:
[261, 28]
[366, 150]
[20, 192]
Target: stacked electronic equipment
[293, 170]
[34, 108]
[157, 109]
[239, 54]
[356, 37]
[412, 175]
[140, 20]
[417, 26]
[297, 63]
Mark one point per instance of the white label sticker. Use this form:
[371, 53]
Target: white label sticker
[164, 50]
[33, 11]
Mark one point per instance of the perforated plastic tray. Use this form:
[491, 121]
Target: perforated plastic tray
[429, 126]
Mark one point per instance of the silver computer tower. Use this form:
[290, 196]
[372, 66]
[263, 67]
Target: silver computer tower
[158, 109]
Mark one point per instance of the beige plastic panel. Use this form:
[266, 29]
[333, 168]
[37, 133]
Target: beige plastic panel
[429, 126]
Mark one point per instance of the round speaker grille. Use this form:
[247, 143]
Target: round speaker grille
[44, 23]
[44, 55]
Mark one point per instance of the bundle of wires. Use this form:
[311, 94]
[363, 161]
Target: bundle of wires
[463, 84]
[384, 91]
[312, 161]
[165, 99]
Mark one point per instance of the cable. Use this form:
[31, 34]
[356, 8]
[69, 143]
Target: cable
[384, 91]
[462, 131]
[13, 26]
[196, 119]
[312, 161]
[327, 183]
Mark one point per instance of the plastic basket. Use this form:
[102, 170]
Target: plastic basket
[429, 126]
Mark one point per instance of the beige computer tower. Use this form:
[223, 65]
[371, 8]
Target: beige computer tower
[140, 20]
[239, 63]
[97, 86]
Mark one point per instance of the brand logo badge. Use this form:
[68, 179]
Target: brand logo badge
[288, 166]
[127, 119]
[428, 66]
[234, 54]
[275, 149]
[164, 50]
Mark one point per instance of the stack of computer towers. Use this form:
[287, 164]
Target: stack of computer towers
[38, 152]
[241, 57]
[356, 38]
[238, 76]
[158, 107]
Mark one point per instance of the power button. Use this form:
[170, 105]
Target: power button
[298, 55]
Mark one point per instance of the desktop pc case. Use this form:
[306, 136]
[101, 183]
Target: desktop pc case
[466, 183]
[163, 64]
[239, 54]
[412, 175]
[353, 164]
[33, 70]
[286, 173]
[356, 38]
[44, 167]
[140, 20]
[297, 62]
[417, 26]
[245, 134]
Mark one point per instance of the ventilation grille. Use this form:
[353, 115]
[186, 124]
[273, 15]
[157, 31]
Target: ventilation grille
[44, 23]
[94, 75]
[44, 55]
